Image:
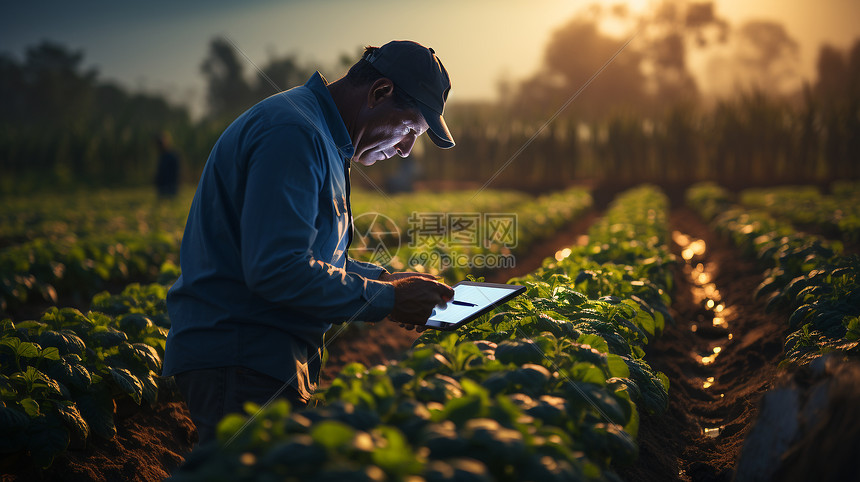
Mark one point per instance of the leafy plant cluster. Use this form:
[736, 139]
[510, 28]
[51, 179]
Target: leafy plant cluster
[837, 215]
[62, 376]
[804, 274]
[399, 208]
[548, 389]
[535, 219]
[76, 245]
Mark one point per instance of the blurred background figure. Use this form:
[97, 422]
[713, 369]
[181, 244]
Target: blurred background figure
[167, 174]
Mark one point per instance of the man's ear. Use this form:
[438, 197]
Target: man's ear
[380, 90]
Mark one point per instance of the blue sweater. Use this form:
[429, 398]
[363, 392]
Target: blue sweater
[264, 264]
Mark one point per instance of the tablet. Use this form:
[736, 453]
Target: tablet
[471, 300]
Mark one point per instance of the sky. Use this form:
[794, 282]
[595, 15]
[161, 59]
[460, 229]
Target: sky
[158, 45]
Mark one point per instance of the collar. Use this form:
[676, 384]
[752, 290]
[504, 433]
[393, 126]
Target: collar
[337, 128]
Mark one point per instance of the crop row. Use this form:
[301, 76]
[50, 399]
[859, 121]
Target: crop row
[455, 234]
[549, 388]
[61, 247]
[88, 213]
[837, 214]
[62, 377]
[804, 274]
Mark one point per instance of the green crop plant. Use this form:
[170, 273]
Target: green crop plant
[805, 275]
[547, 388]
[62, 376]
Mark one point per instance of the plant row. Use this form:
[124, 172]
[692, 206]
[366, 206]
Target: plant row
[88, 213]
[453, 241]
[50, 270]
[58, 247]
[62, 376]
[548, 388]
[837, 215]
[804, 275]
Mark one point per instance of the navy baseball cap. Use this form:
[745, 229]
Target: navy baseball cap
[416, 70]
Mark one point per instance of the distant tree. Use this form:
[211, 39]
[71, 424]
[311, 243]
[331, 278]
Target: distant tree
[768, 53]
[832, 72]
[228, 93]
[50, 85]
[280, 74]
[61, 125]
[574, 53]
[649, 73]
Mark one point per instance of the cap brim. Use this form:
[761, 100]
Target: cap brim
[438, 131]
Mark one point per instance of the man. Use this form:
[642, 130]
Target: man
[167, 172]
[264, 256]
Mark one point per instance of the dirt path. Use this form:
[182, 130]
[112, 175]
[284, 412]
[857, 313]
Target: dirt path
[720, 357]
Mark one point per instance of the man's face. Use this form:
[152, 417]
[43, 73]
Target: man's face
[387, 130]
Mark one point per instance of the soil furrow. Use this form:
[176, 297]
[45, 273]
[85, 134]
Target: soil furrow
[720, 356]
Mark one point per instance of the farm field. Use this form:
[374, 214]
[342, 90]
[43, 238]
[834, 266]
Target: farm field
[647, 340]
[675, 184]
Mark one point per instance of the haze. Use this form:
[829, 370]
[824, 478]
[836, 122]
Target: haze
[158, 46]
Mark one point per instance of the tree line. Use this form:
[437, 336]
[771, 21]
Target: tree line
[643, 118]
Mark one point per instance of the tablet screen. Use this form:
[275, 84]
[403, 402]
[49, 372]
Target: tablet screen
[471, 299]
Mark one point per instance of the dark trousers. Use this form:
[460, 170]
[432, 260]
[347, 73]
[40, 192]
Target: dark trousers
[215, 392]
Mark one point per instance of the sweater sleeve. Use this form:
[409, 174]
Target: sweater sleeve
[367, 270]
[286, 170]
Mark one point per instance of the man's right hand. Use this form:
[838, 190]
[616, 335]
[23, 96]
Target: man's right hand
[415, 297]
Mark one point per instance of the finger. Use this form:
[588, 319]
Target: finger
[446, 291]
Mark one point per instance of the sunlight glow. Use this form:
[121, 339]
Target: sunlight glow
[707, 360]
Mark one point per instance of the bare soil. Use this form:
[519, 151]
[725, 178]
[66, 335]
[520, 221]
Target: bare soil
[711, 406]
[149, 443]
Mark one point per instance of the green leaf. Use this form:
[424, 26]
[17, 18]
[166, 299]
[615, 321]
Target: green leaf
[229, 425]
[150, 388]
[74, 421]
[144, 353]
[46, 437]
[96, 408]
[617, 366]
[332, 434]
[32, 378]
[21, 349]
[51, 353]
[13, 424]
[134, 323]
[128, 383]
[31, 407]
[460, 410]
[395, 455]
[107, 336]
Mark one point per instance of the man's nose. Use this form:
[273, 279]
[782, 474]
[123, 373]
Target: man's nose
[404, 147]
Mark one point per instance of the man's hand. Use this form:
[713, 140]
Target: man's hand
[415, 297]
[386, 276]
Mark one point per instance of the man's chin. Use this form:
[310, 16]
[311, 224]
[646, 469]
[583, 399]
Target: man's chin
[365, 161]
